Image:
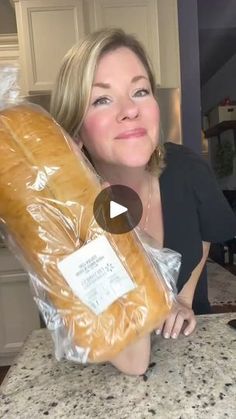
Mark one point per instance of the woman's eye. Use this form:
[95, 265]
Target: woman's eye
[142, 92]
[101, 101]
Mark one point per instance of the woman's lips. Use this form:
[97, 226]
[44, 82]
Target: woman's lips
[133, 133]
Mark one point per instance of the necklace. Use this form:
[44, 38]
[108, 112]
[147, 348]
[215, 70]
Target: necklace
[148, 204]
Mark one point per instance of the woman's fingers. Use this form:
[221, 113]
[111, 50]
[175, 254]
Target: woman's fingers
[168, 329]
[190, 326]
[181, 319]
[176, 327]
[159, 329]
[185, 322]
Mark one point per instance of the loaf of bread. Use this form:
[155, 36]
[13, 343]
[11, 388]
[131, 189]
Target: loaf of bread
[47, 194]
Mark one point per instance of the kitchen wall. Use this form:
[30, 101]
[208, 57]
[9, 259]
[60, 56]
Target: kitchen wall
[215, 14]
[217, 33]
[221, 85]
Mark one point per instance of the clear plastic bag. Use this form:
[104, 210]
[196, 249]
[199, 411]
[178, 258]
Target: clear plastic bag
[9, 86]
[97, 292]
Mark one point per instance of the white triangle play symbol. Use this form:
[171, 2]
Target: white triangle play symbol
[116, 209]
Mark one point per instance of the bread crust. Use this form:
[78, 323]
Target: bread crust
[47, 194]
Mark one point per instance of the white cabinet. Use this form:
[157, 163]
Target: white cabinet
[169, 43]
[18, 312]
[139, 17]
[46, 30]
[155, 24]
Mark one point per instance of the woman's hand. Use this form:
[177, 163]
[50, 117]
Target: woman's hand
[180, 320]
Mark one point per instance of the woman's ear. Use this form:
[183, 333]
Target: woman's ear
[76, 147]
[78, 141]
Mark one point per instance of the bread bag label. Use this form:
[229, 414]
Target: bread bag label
[96, 275]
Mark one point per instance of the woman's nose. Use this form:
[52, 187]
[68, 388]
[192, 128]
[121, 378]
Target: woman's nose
[128, 109]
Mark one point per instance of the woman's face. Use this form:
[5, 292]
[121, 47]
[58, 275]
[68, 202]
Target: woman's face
[121, 126]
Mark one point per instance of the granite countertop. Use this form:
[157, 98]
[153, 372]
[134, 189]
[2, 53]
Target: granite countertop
[191, 377]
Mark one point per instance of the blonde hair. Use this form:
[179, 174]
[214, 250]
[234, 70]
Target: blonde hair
[72, 90]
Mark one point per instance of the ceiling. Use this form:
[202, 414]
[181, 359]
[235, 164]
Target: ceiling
[217, 35]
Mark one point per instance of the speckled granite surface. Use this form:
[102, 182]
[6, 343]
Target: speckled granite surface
[191, 377]
[221, 285]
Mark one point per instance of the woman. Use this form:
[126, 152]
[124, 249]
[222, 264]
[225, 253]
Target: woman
[105, 98]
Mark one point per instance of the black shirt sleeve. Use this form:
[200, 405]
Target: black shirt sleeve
[217, 222]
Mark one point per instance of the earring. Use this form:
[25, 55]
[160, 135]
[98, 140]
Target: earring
[159, 152]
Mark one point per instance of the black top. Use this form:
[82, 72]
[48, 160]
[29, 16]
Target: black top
[194, 210]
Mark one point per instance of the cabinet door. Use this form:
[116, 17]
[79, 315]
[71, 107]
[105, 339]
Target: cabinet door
[18, 314]
[169, 43]
[138, 17]
[46, 30]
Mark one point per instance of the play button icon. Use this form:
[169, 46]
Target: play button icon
[118, 209]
